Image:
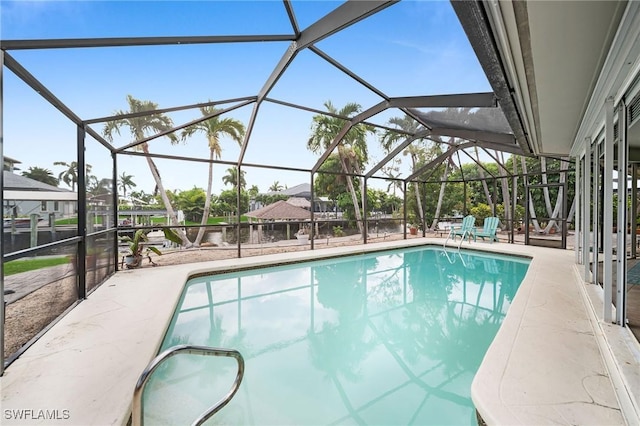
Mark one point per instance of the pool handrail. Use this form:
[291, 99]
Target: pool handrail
[465, 234]
[465, 230]
[137, 412]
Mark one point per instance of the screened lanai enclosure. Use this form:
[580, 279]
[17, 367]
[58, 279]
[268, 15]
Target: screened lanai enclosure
[255, 136]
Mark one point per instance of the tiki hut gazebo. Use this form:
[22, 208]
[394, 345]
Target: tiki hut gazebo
[299, 202]
[278, 211]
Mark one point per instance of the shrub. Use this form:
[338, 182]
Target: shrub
[480, 211]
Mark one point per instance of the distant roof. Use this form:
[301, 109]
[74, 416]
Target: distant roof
[18, 187]
[280, 210]
[11, 160]
[300, 190]
[299, 202]
[16, 182]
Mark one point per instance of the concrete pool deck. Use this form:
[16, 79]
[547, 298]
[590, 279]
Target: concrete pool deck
[550, 362]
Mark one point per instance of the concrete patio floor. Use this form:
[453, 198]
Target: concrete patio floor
[553, 360]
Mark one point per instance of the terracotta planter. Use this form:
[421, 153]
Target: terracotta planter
[413, 230]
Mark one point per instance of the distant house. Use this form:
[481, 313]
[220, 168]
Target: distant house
[302, 190]
[24, 196]
[10, 164]
[299, 196]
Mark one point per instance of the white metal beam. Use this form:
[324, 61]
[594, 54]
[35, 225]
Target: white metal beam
[597, 208]
[579, 161]
[621, 258]
[607, 206]
[587, 241]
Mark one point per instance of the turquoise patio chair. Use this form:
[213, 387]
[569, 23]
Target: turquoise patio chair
[465, 230]
[489, 229]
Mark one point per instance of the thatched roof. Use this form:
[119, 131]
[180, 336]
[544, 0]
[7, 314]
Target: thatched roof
[280, 210]
[299, 202]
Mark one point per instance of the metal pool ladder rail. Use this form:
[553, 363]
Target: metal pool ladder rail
[138, 409]
[465, 234]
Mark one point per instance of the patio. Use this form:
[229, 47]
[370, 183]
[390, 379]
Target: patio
[111, 336]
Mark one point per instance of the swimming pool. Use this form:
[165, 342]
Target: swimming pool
[391, 337]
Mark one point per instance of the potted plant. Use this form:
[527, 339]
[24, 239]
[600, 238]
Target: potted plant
[137, 247]
[303, 235]
[413, 227]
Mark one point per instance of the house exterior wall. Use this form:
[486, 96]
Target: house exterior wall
[24, 208]
[602, 248]
[603, 126]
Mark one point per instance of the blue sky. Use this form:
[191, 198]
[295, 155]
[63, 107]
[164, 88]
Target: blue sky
[411, 48]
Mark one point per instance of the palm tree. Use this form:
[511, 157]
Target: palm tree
[479, 118]
[504, 182]
[276, 187]
[485, 188]
[41, 175]
[231, 178]
[415, 151]
[448, 163]
[140, 197]
[352, 150]
[139, 127]
[213, 128]
[97, 187]
[126, 182]
[254, 191]
[70, 175]
[392, 171]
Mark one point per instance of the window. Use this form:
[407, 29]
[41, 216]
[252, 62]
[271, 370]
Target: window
[43, 206]
[56, 206]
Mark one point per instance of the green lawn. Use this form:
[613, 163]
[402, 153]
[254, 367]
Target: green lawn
[216, 220]
[74, 221]
[154, 221]
[67, 221]
[17, 266]
[211, 221]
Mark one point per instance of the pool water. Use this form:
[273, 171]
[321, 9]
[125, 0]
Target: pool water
[389, 338]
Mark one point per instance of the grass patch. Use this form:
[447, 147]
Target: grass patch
[155, 220]
[212, 220]
[218, 220]
[18, 266]
[67, 221]
[74, 221]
